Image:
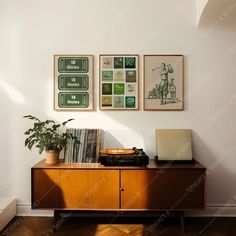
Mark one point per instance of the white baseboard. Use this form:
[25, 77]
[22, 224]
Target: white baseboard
[212, 210]
[24, 209]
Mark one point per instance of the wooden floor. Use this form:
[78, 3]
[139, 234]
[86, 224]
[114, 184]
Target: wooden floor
[42, 226]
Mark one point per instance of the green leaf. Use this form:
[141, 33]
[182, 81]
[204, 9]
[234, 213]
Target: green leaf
[28, 131]
[55, 127]
[31, 117]
[49, 121]
[65, 122]
[41, 150]
[46, 135]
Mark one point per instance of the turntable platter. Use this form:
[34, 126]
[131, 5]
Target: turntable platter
[112, 151]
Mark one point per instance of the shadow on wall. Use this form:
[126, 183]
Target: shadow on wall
[131, 137]
[111, 142]
[218, 13]
[139, 129]
[220, 180]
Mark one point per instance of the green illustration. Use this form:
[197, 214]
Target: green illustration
[130, 62]
[72, 82]
[130, 76]
[119, 102]
[118, 62]
[107, 75]
[107, 88]
[73, 100]
[73, 64]
[119, 88]
[130, 101]
[165, 89]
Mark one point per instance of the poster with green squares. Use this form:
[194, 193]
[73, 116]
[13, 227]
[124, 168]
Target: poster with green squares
[119, 82]
[73, 82]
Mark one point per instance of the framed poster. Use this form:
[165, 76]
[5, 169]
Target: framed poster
[119, 82]
[73, 82]
[163, 82]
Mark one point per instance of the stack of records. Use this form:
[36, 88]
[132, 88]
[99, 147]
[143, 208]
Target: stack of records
[88, 149]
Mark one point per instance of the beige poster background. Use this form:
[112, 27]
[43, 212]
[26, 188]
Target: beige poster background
[152, 78]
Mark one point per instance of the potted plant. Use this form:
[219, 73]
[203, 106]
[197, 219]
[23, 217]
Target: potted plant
[48, 136]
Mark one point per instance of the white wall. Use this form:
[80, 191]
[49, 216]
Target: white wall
[31, 31]
[200, 6]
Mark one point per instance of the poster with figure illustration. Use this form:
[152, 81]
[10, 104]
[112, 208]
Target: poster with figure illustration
[163, 82]
[119, 82]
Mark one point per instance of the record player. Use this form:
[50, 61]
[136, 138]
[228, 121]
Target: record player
[124, 157]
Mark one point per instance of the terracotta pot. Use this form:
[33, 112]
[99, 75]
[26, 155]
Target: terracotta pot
[52, 157]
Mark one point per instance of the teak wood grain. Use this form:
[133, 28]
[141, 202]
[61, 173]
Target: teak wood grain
[45, 192]
[172, 189]
[104, 189]
[87, 166]
[97, 187]
[74, 187]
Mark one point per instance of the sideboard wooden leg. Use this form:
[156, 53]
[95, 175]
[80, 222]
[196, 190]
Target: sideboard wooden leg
[56, 216]
[182, 221]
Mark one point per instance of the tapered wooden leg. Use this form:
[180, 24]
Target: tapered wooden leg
[56, 217]
[182, 221]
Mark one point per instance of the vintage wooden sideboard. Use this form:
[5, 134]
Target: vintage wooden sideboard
[94, 187]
